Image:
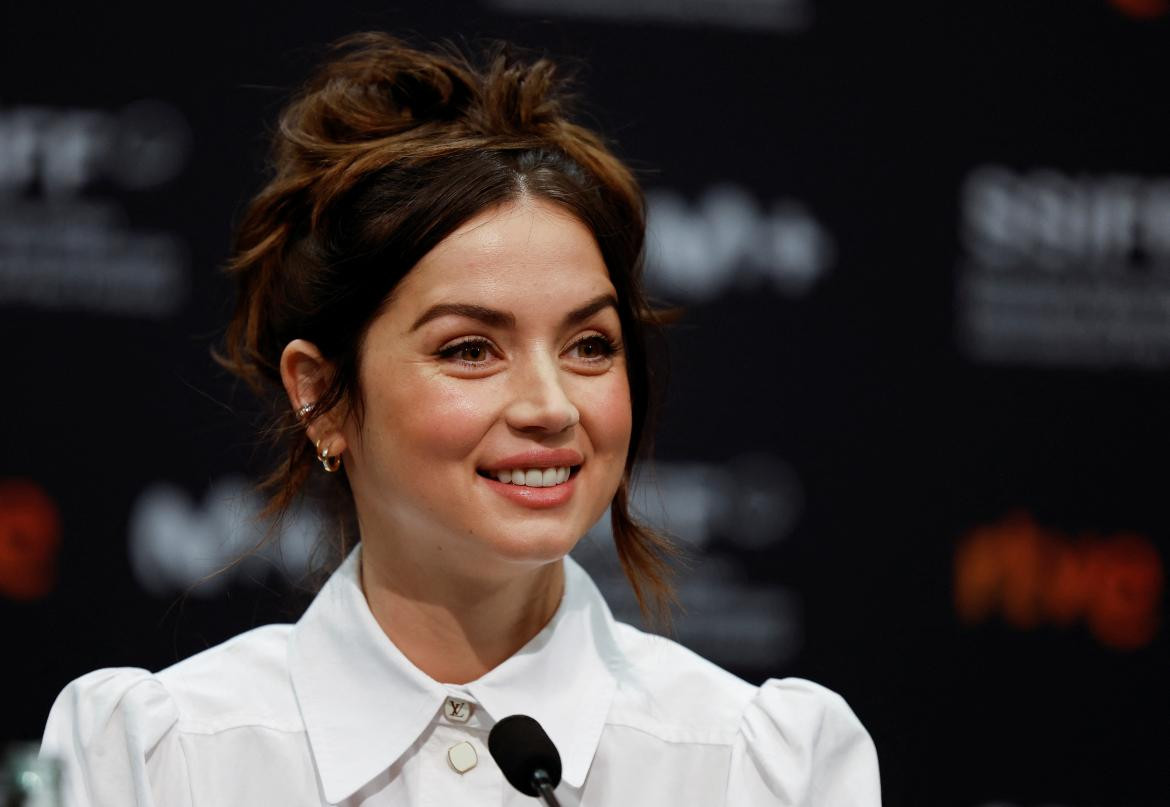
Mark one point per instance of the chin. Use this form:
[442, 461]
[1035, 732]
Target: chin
[528, 547]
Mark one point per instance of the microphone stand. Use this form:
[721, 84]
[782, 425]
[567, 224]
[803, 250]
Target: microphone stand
[543, 785]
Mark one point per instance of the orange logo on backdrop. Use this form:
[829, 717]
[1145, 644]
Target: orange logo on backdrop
[1033, 576]
[1143, 9]
[30, 535]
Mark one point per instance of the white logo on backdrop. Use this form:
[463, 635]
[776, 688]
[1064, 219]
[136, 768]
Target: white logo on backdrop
[1065, 270]
[179, 544]
[65, 243]
[726, 239]
[772, 15]
[750, 503]
[64, 151]
[731, 621]
[1050, 220]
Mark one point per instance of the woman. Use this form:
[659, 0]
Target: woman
[441, 281]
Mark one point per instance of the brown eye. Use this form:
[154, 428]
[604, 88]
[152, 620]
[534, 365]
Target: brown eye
[593, 348]
[473, 353]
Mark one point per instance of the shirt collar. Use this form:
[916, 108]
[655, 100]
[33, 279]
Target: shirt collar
[364, 703]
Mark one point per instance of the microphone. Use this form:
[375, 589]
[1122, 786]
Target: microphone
[527, 757]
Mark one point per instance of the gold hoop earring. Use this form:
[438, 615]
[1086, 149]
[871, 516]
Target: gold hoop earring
[330, 464]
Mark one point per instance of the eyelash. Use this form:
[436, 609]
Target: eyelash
[608, 348]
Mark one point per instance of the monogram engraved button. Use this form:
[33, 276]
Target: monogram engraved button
[457, 710]
[462, 757]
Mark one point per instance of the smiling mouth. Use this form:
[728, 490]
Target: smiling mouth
[533, 477]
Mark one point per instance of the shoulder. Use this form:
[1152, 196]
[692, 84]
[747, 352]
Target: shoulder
[119, 731]
[806, 713]
[670, 690]
[801, 739]
[790, 738]
[244, 681]
[664, 678]
[113, 731]
[127, 700]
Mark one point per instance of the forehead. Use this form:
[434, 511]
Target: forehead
[530, 250]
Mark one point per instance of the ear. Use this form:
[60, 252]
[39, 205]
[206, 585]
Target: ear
[306, 375]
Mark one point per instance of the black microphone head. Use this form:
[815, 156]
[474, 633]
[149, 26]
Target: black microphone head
[520, 747]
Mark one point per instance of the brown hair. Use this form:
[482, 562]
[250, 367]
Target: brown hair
[384, 152]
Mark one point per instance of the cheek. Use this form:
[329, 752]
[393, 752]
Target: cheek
[436, 418]
[608, 417]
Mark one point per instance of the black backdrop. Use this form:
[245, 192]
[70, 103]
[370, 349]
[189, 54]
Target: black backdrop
[915, 436]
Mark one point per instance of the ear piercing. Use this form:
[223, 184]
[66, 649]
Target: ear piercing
[329, 463]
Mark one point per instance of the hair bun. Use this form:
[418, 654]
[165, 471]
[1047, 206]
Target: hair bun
[519, 96]
[379, 87]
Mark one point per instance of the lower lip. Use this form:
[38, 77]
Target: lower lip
[535, 498]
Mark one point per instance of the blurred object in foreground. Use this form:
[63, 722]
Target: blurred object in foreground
[28, 780]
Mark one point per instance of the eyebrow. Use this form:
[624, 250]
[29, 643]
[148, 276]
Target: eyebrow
[503, 319]
[488, 316]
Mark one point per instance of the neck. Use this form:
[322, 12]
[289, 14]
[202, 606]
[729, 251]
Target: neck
[455, 627]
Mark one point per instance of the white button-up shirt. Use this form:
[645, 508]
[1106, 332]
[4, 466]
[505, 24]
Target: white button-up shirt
[328, 711]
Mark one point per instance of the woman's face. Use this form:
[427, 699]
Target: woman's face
[495, 371]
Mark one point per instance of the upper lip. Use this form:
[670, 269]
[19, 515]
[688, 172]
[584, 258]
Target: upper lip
[537, 458]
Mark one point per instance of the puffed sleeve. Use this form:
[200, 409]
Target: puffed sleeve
[114, 732]
[800, 745]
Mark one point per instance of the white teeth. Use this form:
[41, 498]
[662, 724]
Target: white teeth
[534, 477]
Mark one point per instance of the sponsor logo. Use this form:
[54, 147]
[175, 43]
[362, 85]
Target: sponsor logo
[65, 242]
[725, 618]
[725, 240]
[749, 503]
[30, 538]
[1064, 270]
[1032, 576]
[62, 152]
[180, 544]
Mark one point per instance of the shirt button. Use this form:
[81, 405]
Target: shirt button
[456, 710]
[462, 757]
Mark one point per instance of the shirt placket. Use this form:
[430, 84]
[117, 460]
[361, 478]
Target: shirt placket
[458, 767]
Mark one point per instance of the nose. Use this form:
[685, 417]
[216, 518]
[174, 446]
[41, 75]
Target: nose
[540, 401]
